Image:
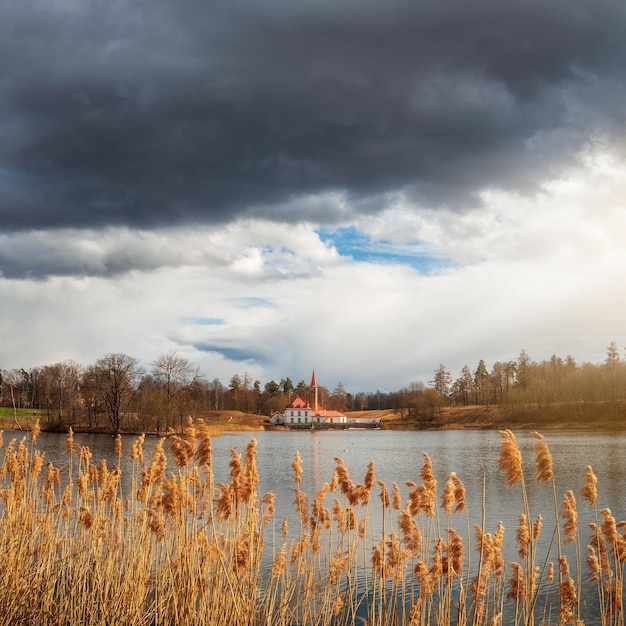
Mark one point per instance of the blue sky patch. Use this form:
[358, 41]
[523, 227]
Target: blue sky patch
[353, 242]
[232, 354]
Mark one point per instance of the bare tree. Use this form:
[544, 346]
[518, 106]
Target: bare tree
[361, 401]
[217, 392]
[116, 377]
[174, 374]
[12, 379]
[60, 389]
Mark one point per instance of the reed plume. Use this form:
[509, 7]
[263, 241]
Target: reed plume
[69, 442]
[384, 495]
[350, 519]
[339, 513]
[301, 502]
[297, 469]
[34, 432]
[598, 542]
[280, 562]
[422, 498]
[204, 449]
[338, 604]
[593, 563]
[396, 497]
[410, 531]
[523, 536]
[429, 493]
[517, 584]
[427, 584]
[543, 460]
[567, 595]
[614, 539]
[182, 450]
[415, 497]
[370, 478]
[570, 514]
[158, 464]
[378, 561]
[363, 527]
[250, 472]
[447, 498]
[342, 478]
[459, 493]
[510, 459]
[436, 564]
[590, 492]
[318, 510]
[136, 450]
[455, 552]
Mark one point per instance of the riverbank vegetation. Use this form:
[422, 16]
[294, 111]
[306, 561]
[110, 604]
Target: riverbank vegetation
[167, 545]
[116, 395]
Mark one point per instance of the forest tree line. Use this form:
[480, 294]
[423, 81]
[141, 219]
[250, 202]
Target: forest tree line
[115, 393]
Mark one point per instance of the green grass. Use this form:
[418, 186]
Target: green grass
[25, 417]
[6, 411]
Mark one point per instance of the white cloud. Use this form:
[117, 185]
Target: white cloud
[542, 274]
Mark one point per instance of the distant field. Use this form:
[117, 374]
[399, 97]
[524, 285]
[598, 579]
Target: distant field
[8, 413]
[25, 417]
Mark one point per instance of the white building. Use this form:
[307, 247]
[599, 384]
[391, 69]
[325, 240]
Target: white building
[303, 414]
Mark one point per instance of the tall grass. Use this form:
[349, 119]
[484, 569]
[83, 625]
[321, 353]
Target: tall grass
[176, 548]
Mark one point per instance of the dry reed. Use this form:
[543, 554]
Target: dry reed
[176, 548]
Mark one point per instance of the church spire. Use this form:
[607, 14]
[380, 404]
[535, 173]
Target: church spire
[316, 405]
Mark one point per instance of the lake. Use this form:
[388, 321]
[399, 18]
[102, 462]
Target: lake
[398, 458]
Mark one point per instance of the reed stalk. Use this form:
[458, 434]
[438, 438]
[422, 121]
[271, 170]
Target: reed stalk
[177, 549]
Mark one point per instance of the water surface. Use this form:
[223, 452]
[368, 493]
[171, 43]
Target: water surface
[398, 457]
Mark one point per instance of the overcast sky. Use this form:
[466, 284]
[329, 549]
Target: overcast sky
[371, 188]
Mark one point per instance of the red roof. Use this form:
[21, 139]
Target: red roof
[298, 403]
[317, 409]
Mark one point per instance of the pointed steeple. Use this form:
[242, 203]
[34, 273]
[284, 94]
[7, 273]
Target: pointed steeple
[316, 405]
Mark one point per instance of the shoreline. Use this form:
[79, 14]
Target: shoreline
[572, 416]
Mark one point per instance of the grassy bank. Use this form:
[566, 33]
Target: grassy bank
[177, 549]
[596, 416]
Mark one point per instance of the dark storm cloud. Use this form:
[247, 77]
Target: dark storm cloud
[154, 113]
